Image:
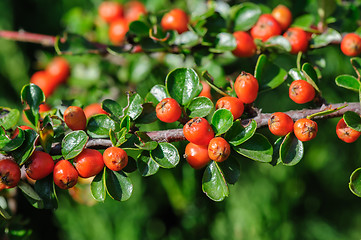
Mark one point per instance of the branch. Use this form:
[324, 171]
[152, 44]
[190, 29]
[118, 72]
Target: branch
[23, 36]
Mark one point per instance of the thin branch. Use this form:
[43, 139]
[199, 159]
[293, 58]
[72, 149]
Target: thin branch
[23, 36]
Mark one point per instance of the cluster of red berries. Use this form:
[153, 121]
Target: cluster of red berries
[56, 73]
[119, 17]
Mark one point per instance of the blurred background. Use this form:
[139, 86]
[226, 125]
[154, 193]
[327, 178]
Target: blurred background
[308, 201]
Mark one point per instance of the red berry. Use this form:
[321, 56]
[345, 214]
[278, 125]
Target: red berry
[65, 175]
[93, 109]
[345, 133]
[280, 124]
[233, 104]
[89, 163]
[59, 69]
[301, 91]
[117, 31]
[245, 45]
[44, 81]
[283, 16]
[305, 129]
[176, 20]
[219, 149]
[246, 87]
[351, 44]
[168, 110]
[115, 158]
[298, 39]
[133, 10]
[196, 155]
[75, 118]
[206, 90]
[39, 165]
[110, 11]
[198, 131]
[266, 27]
[9, 174]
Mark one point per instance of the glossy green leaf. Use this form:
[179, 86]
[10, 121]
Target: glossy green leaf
[8, 144]
[28, 190]
[46, 191]
[231, 170]
[119, 186]
[8, 117]
[22, 153]
[291, 150]
[214, 184]
[276, 159]
[135, 107]
[125, 123]
[46, 136]
[97, 187]
[238, 134]
[268, 74]
[73, 44]
[246, 16]
[256, 148]
[99, 126]
[32, 117]
[356, 64]
[148, 146]
[32, 95]
[183, 85]
[148, 114]
[139, 28]
[325, 38]
[311, 75]
[113, 108]
[355, 182]
[157, 94]
[73, 144]
[199, 107]
[146, 165]
[187, 39]
[222, 121]
[296, 74]
[166, 155]
[224, 42]
[279, 43]
[353, 120]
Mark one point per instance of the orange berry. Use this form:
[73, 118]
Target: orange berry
[196, 155]
[233, 104]
[283, 16]
[93, 109]
[305, 129]
[351, 45]
[168, 110]
[9, 174]
[117, 31]
[133, 10]
[110, 11]
[301, 91]
[246, 87]
[280, 124]
[59, 69]
[298, 39]
[245, 45]
[44, 81]
[75, 118]
[176, 20]
[65, 175]
[345, 133]
[198, 131]
[115, 158]
[219, 149]
[266, 27]
[39, 165]
[89, 163]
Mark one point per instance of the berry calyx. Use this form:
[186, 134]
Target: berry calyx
[176, 19]
[198, 131]
[301, 91]
[219, 149]
[298, 39]
[233, 104]
[89, 163]
[351, 45]
[246, 87]
[266, 27]
[75, 118]
[168, 110]
[345, 133]
[245, 45]
[283, 16]
[115, 158]
[305, 129]
[65, 175]
[39, 165]
[196, 155]
[280, 124]
[9, 174]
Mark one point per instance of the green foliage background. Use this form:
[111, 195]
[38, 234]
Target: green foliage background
[308, 201]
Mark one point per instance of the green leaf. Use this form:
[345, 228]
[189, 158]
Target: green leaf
[291, 150]
[113, 108]
[118, 185]
[256, 148]
[279, 43]
[296, 74]
[183, 85]
[73, 144]
[353, 120]
[310, 74]
[305, 21]
[97, 187]
[231, 170]
[4, 214]
[246, 16]
[28, 191]
[166, 155]
[46, 136]
[8, 144]
[46, 191]
[214, 184]
[139, 28]
[356, 64]
[99, 126]
[33, 96]
[224, 42]
[148, 114]
[73, 44]
[222, 121]
[325, 38]
[8, 117]
[146, 165]
[148, 146]
[187, 39]
[125, 123]
[157, 94]
[199, 107]
[22, 153]
[355, 182]
[268, 74]
[276, 159]
[135, 107]
[238, 134]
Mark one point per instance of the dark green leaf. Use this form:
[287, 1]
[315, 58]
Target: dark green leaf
[125, 123]
[353, 120]
[148, 114]
[28, 190]
[46, 136]
[46, 191]
[73, 44]
[148, 146]
[276, 159]
[268, 74]
[214, 184]
[73, 144]
[230, 169]
[291, 151]
[246, 16]
[183, 85]
[355, 182]
[98, 188]
[224, 42]
[8, 117]
[256, 148]
[324, 39]
[135, 107]
[4, 214]
[356, 63]
[296, 74]
[199, 107]
[22, 153]
[222, 121]
[166, 155]
[99, 126]
[151, 45]
[310, 74]
[33, 96]
[146, 165]
[8, 144]
[119, 186]
[113, 108]
[139, 28]
[157, 94]
[237, 134]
